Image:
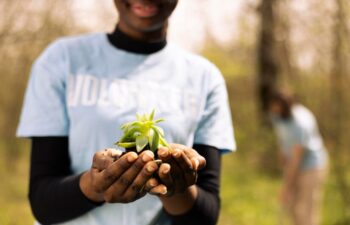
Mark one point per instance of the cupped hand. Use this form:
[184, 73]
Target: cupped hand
[117, 178]
[178, 170]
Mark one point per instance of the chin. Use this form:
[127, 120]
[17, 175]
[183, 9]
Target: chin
[152, 24]
[147, 27]
[145, 16]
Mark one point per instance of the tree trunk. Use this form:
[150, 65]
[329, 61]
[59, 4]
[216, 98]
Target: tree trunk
[268, 65]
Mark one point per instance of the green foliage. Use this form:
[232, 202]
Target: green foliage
[232, 61]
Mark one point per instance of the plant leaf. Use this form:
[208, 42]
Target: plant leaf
[155, 140]
[163, 142]
[124, 138]
[126, 144]
[159, 130]
[150, 137]
[137, 123]
[152, 115]
[135, 134]
[141, 142]
[125, 126]
[159, 120]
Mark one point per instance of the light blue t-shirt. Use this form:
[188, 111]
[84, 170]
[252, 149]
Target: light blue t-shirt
[302, 130]
[84, 88]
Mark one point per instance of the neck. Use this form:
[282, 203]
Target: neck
[149, 36]
[146, 45]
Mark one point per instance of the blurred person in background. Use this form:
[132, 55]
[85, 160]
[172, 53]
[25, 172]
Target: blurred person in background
[303, 157]
[83, 88]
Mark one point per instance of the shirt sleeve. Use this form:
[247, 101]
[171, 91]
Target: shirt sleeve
[44, 110]
[215, 126]
[304, 136]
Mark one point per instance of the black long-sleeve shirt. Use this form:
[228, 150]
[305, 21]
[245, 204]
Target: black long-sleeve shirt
[55, 195]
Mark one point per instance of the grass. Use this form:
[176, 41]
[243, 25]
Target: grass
[249, 196]
[14, 207]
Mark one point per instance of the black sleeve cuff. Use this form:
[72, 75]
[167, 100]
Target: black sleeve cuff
[205, 211]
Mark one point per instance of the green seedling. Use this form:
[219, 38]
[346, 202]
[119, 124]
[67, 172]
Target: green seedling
[142, 134]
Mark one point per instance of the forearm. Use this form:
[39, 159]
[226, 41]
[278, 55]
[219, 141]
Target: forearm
[181, 203]
[58, 199]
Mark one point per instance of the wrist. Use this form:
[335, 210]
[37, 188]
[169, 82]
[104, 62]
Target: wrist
[85, 185]
[180, 203]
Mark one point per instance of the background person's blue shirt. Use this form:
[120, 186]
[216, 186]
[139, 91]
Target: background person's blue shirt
[302, 130]
[84, 88]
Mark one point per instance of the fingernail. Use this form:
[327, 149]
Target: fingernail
[158, 162]
[163, 190]
[146, 157]
[150, 169]
[131, 158]
[163, 153]
[196, 164]
[153, 183]
[116, 152]
[176, 153]
[166, 170]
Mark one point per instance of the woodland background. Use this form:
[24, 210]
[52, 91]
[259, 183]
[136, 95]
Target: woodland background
[277, 43]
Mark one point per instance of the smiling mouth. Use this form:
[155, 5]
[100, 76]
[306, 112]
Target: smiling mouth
[144, 10]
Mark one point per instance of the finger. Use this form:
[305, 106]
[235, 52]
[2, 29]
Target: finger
[198, 161]
[114, 153]
[185, 164]
[136, 189]
[118, 188]
[175, 145]
[190, 153]
[159, 190]
[104, 158]
[166, 178]
[177, 177]
[202, 162]
[182, 159]
[101, 181]
[151, 183]
[164, 153]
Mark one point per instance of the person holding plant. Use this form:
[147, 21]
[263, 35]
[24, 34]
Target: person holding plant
[304, 158]
[83, 88]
